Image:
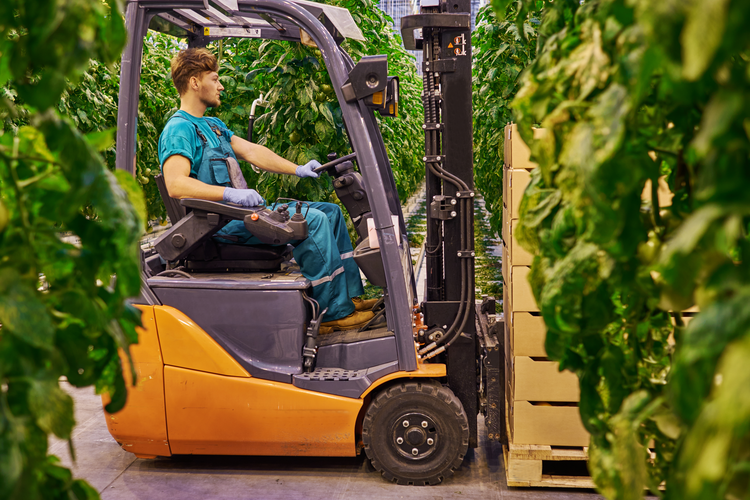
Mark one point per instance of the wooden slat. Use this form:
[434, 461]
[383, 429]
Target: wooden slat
[544, 452]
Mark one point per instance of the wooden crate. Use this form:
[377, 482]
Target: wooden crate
[521, 297]
[517, 153]
[546, 424]
[541, 380]
[514, 185]
[527, 334]
[518, 256]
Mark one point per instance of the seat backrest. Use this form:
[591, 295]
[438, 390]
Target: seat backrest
[175, 211]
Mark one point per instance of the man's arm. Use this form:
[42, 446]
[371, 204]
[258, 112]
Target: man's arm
[181, 185]
[262, 157]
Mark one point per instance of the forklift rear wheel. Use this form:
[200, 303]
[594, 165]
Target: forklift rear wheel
[416, 433]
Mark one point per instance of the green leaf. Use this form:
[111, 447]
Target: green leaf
[669, 424]
[326, 112]
[53, 408]
[134, 193]
[11, 461]
[22, 313]
[718, 117]
[588, 64]
[101, 140]
[716, 445]
[702, 35]
[321, 130]
[82, 490]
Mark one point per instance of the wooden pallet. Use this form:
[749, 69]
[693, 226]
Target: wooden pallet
[533, 465]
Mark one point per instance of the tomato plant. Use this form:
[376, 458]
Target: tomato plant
[67, 227]
[501, 52]
[628, 91]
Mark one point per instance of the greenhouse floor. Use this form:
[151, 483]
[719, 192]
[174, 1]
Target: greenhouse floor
[117, 474]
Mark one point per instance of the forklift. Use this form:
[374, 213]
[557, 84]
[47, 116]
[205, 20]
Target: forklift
[230, 360]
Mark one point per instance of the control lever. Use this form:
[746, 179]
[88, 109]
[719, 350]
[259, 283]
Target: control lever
[283, 210]
[335, 162]
[274, 227]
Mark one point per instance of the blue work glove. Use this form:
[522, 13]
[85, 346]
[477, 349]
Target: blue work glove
[243, 197]
[306, 170]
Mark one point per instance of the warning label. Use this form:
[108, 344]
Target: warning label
[458, 45]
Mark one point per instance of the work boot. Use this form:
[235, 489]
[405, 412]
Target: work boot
[357, 319]
[361, 304]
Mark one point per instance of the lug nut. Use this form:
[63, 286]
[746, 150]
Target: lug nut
[400, 440]
[425, 424]
[406, 423]
[430, 441]
[414, 452]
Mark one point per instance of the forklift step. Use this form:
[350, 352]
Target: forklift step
[334, 374]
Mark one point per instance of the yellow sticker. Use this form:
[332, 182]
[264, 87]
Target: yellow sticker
[206, 31]
[450, 45]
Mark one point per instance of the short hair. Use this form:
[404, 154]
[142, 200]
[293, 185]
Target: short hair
[189, 63]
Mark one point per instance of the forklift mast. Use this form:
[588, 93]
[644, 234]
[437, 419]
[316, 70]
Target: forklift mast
[449, 311]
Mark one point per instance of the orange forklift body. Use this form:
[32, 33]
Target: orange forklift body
[191, 397]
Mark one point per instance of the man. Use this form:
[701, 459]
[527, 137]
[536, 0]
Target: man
[199, 155]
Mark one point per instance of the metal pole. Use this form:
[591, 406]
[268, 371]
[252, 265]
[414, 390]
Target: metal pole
[130, 81]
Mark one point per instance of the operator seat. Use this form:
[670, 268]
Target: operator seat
[212, 255]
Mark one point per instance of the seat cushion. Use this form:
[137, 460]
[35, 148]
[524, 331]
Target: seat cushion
[228, 251]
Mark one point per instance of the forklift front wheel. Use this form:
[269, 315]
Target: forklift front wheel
[416, 433]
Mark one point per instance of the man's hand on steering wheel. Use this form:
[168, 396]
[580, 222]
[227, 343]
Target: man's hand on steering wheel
[308, 169]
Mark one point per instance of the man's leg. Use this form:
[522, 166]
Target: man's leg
[344, 245]
[320, 261]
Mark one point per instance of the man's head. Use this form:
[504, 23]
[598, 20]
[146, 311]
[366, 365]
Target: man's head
[195, 73]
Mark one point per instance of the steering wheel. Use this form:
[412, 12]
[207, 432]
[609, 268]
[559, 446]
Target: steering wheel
[335, 162]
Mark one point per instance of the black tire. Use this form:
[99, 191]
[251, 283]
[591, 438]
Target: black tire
[431, 424]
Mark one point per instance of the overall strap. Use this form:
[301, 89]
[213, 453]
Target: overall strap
[197, 130]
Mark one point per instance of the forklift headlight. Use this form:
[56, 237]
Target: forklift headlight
[390, 107]
[386, 100]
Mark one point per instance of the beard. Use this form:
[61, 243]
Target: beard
[211, 102]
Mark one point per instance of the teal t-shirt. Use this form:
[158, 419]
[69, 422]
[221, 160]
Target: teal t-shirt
[179, 138]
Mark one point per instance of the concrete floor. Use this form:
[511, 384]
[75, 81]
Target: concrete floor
[117, 474]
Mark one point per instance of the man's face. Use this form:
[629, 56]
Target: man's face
[209, 88]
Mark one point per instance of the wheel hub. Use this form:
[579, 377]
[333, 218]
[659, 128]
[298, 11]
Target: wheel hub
[414, 435]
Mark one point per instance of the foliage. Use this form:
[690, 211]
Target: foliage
[302, 120]
[629, 90]
[500, 54]
[92, 105]
[61, 311]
